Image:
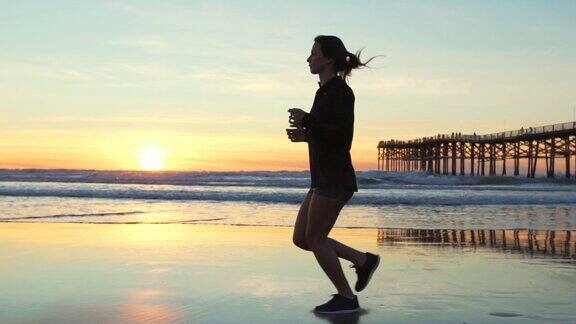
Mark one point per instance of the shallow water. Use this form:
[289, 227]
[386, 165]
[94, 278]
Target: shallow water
[69, 273]
[92, 210]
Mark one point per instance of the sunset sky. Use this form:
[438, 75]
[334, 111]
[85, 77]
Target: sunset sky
[205, 85]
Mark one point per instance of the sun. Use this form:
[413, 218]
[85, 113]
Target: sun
[151, 159]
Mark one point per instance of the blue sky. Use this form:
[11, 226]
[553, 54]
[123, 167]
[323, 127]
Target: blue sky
[210, 82]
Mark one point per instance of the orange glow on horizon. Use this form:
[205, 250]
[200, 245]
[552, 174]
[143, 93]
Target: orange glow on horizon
[162, 151]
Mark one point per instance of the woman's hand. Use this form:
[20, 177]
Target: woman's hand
[296, 115]
[296, 134]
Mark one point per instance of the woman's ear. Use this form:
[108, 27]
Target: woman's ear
[330, 62]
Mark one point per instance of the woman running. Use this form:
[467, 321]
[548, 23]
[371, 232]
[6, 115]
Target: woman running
[328, 129]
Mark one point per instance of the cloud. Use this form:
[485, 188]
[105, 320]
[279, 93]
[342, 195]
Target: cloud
[260, 83]
[144, 69]
[45, 71]
[414, 85]
[164, 12]
[150, 43]
[150, 75]
[110, 121]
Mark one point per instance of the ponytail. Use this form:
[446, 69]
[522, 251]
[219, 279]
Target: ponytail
[352, 61]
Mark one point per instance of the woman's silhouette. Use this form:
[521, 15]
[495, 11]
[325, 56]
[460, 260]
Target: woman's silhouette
[328, 129]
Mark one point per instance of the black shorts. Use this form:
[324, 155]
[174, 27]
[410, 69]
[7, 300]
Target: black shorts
[341, 194]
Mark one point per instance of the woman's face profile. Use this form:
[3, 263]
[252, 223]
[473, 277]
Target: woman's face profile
[317, 61]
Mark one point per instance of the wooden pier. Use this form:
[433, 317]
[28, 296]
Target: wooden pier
[458, 154]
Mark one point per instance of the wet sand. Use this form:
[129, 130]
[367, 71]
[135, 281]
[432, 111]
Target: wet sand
[173, 273]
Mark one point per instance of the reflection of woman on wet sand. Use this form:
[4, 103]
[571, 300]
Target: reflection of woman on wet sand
[328, 129]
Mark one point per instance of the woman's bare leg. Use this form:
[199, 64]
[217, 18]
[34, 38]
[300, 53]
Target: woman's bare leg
[348, 253]
[299, 236]
[322, 214]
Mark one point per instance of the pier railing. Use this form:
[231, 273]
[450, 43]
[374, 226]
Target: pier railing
[506, 135]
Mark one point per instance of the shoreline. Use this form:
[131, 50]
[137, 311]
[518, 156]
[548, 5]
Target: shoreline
[550, 244]
[291, 226]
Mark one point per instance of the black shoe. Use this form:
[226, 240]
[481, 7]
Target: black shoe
[365, 271]
[339, 305]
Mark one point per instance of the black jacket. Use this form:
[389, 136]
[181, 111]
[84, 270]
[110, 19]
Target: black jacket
[329, 131]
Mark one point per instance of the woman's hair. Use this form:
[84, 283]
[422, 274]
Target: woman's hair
[344, 61]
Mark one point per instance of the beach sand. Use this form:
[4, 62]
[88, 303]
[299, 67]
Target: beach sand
[176, 273]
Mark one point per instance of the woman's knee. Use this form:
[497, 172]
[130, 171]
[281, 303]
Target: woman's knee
[301, 242]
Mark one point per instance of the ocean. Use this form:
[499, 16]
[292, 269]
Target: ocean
[453, 249]
[384, 200]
